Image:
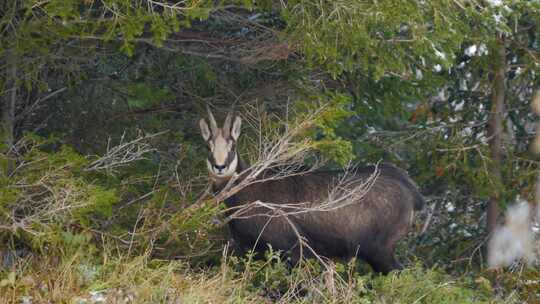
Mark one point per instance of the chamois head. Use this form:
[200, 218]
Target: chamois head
[222, 160]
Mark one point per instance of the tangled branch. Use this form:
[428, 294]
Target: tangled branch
[124, 153]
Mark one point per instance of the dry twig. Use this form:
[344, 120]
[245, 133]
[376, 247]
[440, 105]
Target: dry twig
[123, 153]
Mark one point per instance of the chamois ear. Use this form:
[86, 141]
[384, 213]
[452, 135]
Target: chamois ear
[205, 131]
[236, 128]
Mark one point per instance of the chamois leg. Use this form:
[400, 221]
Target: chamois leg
[295, 255]
[235, 248]
[383, 261]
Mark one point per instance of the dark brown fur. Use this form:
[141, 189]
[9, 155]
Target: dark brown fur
[368, 228]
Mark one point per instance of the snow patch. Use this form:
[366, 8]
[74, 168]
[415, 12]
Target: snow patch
[481, 136]
[466, 132]
[26, 300]
[463, 85]
[471, 50]
[419, 74]
[498, 18]
[459, 106]
[495, 2]
[482, 50]
[97, 296]
[438, 53]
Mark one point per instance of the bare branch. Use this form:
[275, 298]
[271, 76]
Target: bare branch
[28, 110]
[123, 153]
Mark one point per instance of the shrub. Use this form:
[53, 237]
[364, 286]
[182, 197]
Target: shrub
[47, 200]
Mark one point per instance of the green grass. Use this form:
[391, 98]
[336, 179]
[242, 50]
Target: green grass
[117, 278]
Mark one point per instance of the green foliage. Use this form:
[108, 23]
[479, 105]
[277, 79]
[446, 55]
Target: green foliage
[201, 76]
[270, 274]
[101, 202]
[331, 110]
[73, 27]
[141, 95]
[430, 286]
[48, 196]
[376, 37]
[52, 200]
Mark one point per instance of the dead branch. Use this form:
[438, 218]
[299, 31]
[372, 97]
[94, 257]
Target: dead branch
[124, 153]
[345, 192]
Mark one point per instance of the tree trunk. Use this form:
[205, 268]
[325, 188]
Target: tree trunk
[495, 130]
[9, 102]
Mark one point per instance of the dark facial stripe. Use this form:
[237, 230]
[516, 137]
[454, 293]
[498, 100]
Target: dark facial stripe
[231, 155]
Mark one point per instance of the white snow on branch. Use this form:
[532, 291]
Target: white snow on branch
[495, 2]
[482, 50]
[419, 75]
[477, 50]
[471, 50]
[438, 53]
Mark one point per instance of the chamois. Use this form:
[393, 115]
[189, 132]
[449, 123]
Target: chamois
[368, 227]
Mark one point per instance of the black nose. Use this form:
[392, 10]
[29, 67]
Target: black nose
[220, 167]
